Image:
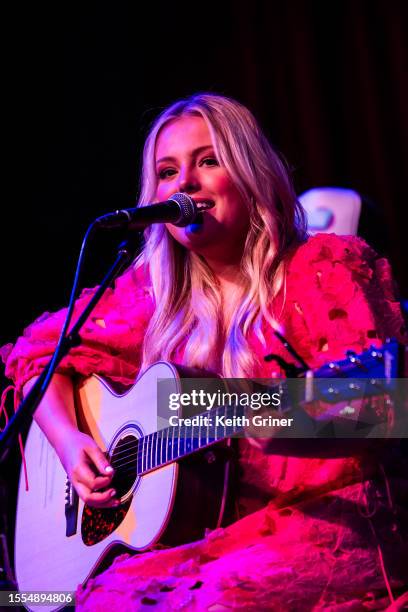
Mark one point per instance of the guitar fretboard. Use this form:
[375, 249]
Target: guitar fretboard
[172, 443]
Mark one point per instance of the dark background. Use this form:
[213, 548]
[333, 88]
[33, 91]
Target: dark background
[327, 80]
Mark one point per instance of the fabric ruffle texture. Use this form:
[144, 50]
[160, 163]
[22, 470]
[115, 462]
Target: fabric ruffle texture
[340, 296]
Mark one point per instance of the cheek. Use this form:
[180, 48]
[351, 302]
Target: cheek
[221, 184]
[162, 193]
[233, 203]
[225, 188]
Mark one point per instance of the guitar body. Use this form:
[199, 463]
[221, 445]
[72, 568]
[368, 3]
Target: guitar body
[171, 505]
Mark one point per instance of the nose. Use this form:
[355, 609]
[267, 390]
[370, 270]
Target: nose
[188, 181]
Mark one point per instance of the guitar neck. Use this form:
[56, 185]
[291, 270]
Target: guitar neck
[175, 442]
[374, 371]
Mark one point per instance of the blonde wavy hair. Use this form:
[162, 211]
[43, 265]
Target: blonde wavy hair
[186, 293]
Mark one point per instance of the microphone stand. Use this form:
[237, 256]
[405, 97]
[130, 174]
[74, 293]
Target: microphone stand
[25, 412]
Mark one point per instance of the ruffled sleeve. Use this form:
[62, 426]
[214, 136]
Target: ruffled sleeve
[340, 295]
[111, 338]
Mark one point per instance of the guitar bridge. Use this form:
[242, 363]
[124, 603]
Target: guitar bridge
[71, 509]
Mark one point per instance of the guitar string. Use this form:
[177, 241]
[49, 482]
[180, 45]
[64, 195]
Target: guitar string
[135, 461]
[133, 464]
[202, 442]
[155, 452]
[140, 454]
[160, 438]
[227, 410]
[139, 441]
[134, 469]
[208, 440]
[145, 453]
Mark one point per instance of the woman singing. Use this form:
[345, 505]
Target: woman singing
[211, 295]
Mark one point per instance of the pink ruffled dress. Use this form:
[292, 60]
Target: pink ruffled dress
[306, 538]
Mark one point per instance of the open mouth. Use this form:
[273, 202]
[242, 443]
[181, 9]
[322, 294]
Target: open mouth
[197, 225]
[204, 205]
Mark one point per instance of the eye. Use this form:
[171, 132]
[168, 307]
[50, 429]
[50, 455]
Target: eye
[209, 161]
[166, 173]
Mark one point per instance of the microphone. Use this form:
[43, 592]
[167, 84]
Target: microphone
[180, 210]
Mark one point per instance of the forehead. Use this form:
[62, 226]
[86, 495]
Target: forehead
[182, 135]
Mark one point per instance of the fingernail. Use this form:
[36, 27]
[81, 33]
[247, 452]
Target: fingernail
[113, 493]
[109, 469]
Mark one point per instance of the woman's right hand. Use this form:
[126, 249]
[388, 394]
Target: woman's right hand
[84, 462]
[88, 470]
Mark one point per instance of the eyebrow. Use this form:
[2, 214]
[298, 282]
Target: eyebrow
[194, 153]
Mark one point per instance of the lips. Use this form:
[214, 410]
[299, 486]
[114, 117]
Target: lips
[204, 204]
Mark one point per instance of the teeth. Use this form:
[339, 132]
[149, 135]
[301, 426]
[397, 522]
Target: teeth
[205, 204]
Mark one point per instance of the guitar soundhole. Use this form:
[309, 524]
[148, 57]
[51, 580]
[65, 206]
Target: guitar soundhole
[124, 461]
[98, 523]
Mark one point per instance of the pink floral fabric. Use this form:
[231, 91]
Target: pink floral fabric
[341, 296]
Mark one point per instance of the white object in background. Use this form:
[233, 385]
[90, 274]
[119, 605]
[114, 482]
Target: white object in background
[331, 209]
